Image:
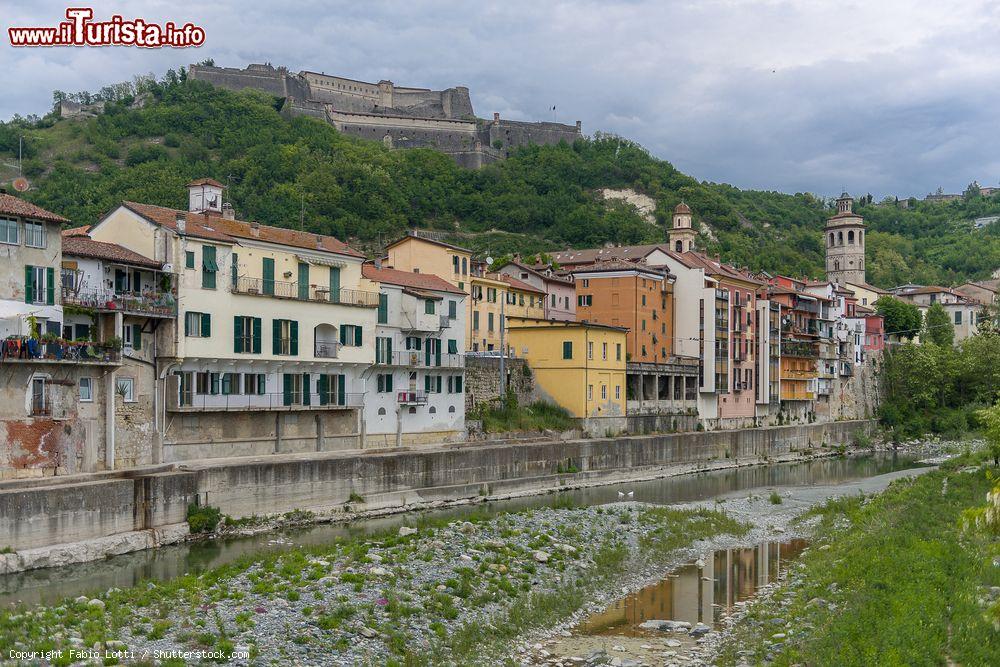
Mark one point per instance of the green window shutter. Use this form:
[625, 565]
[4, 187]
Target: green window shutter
[261, 383]
[458, 384]
[136, 336]
[388, 350]
[343, 334]
[306, 390]
[50, 285]
[208, 267]
[286, 389]
[234, 268]
[275, 336]
[428, 307]
[427, 383]
[295, 337]
[388, 383]
[206, 325]
[29, 284]
[357, 335]
[187, 329]
[120, 277]
[303, 280]
[256, 336]
[324, 389]
[567, 349]
[427, 354]
[227, 384]
[452, 309]
[437, 352]
[238, 334]
[341, 390]
[439, 384]
[452, 346]
[335, 284]
[451, 385]
[383, 308]
[214, 380]
[189, 259]
[268, 283]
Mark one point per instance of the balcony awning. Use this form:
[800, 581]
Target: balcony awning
[321, 261]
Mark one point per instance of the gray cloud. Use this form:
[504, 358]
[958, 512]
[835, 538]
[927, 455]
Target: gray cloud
[891, 97]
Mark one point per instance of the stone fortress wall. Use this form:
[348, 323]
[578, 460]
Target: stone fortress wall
[400, 117]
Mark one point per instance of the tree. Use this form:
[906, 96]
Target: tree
[990, 419]
[938, 328]
[901, 319]
[971, 192]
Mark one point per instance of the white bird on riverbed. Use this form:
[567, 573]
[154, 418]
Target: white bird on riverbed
[621, 495]
[631, 493]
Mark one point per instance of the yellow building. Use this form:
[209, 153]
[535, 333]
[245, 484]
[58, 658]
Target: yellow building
[580, 365]
[491, 295]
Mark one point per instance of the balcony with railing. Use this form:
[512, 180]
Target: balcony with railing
[282, 289]
[34, 350]
[418, 359]
[798, 374]
[798, 348]
[151, 303]
[326, 349]
[190, 401]
[411, 397]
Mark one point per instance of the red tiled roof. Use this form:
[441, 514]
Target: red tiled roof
[717, 268]
[76, 231]
[11, 205]
[622, 265]
[411, 235]
[520, 284]
[539, 272]
[84, 246]
[215, 227]
[591, 255]
[420, 281]
[205, 181]
[682, 208]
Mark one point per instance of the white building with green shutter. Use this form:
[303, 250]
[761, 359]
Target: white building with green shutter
[275, 331]
[417, 384]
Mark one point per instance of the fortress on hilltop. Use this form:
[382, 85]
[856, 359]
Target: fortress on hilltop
[397, 116]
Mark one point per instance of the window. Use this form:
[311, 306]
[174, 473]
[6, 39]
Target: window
[465, 268]
[553, 301]
[126, 389]
[350, 335]
[489, 321]
[585, 300]
[590, 392]
[491, 294]
[40, 396]
[246, 335]
[958, 317]
[39, 284]
[292, 386]
[586, 282]
[618, 351]
[567, 349]
[452, 309]
[189, 259]
[644, 299]
[286, 337]
[618, 392]
[384, 383]
[604, 351]
[128, 335]
[454, 263]
[8, 231]
[254, 383]
[383, 350]
[303, 291]
[452, 346]
[234, 268]
[34, 235]
[197, 325]
[230, 384]
[455, 384]
[208, 267]
[590, 349]
[86, 390]
[267, 283]
[604, 392]
[383, 308]
[428, 306]
[520, 299]
[69, 279]
[475, 320]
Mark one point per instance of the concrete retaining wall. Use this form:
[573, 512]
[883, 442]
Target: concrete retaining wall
[82, 512]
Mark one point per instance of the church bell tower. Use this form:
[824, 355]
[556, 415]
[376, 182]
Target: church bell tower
[682, 234]
[845, 244]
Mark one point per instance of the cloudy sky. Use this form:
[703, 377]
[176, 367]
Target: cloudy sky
[888, 97]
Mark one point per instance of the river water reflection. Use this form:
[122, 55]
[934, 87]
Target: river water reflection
[52, 584]
[698, 592]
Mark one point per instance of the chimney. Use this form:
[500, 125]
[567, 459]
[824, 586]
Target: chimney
[319, 241]
[496, 116]
[227, 211]
[181, 223]
[378, 262]
[255, 229]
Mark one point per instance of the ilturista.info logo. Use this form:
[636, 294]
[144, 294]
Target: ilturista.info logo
[79, 29]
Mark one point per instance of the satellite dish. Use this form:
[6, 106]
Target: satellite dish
[489, 260]
[20, 184]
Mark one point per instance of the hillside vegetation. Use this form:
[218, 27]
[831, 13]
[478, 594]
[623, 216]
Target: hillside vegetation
[302, 172]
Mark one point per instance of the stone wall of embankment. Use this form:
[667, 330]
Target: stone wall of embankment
[34, 517]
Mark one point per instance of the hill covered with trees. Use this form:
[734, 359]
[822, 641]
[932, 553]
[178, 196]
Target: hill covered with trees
[301, 172]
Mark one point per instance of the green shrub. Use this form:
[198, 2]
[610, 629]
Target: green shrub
[203, 519]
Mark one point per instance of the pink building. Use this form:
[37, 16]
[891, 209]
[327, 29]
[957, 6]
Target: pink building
[560, 292]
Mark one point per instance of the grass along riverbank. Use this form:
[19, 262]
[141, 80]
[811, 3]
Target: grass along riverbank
[889, 580]
[438, 592]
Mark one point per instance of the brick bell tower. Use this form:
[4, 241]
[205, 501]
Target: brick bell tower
[682, 234]
[845, 244]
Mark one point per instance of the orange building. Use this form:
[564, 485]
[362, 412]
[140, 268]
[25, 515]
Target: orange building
[632, 295]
